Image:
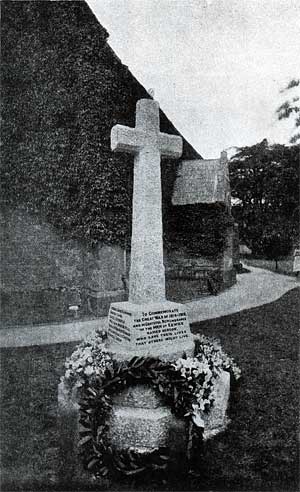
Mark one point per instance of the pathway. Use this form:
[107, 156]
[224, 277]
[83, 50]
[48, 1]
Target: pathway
[252, 289]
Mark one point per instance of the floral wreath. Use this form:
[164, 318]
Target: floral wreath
[186, 385]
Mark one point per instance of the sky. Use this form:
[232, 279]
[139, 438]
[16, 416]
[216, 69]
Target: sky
[216, 66]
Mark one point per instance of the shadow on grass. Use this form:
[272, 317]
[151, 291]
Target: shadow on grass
[258, 451]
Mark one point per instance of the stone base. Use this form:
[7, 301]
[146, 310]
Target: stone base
[141, 421]
[143, 429]
[158, 329]
[71, 472]
[216, 421]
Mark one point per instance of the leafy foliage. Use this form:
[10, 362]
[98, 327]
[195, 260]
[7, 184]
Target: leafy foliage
[275, 247]
[199, 229]
[290, 108]
[63, 89]
[265, 186]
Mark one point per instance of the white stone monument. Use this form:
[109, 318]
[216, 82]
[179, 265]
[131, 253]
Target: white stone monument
[147, 323]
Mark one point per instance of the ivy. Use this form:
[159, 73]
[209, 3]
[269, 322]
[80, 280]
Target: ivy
[200, 229]
[63, 89]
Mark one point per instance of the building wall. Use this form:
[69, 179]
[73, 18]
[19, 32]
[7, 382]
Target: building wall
[43, 273]
[57, 68]
[35, 256]
[189, 278]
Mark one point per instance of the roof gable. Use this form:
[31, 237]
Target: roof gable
[202, 181]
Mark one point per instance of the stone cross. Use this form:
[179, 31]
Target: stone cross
[148, 144]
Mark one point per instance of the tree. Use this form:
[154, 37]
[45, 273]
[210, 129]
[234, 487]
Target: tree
[265, 189]
[276, 245]
[291, 108]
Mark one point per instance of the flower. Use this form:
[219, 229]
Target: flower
[198, 420]
[210, 350]
[89, 370]
[90, 358]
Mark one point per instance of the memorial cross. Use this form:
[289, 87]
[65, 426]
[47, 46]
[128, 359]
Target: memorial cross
[148, 144]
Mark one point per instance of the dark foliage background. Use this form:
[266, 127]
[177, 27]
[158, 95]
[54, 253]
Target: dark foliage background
[199, 228]
[63, 89]
[265, 182]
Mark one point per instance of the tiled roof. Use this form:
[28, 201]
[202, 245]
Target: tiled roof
[202, 181]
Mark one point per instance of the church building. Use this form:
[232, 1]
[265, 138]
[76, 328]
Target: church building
[66, 198]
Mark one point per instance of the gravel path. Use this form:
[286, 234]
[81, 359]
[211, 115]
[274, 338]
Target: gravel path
[252, 289]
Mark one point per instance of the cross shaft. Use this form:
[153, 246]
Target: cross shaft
[148, 144]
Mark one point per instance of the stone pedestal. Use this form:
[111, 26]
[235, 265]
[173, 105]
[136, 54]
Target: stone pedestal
[159, 329]
[147, 325]
[216, 421]
[71, 471]
[141, 421]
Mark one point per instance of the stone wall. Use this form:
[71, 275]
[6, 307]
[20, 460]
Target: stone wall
[189, 278]
[104, 279]
[43, 273]
[35, 257]
[40, 272]
[236, 250]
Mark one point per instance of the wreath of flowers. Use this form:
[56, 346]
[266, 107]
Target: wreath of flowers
[186, 385]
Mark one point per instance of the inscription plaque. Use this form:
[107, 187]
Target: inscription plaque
[147, 327]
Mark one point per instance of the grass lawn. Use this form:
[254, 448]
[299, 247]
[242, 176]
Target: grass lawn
[258, 451]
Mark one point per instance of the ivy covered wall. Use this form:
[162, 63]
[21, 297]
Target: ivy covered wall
[200, 229]
[62, 90]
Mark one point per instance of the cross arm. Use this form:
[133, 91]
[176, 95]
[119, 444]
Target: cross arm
[126, 139]
[170, 145]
